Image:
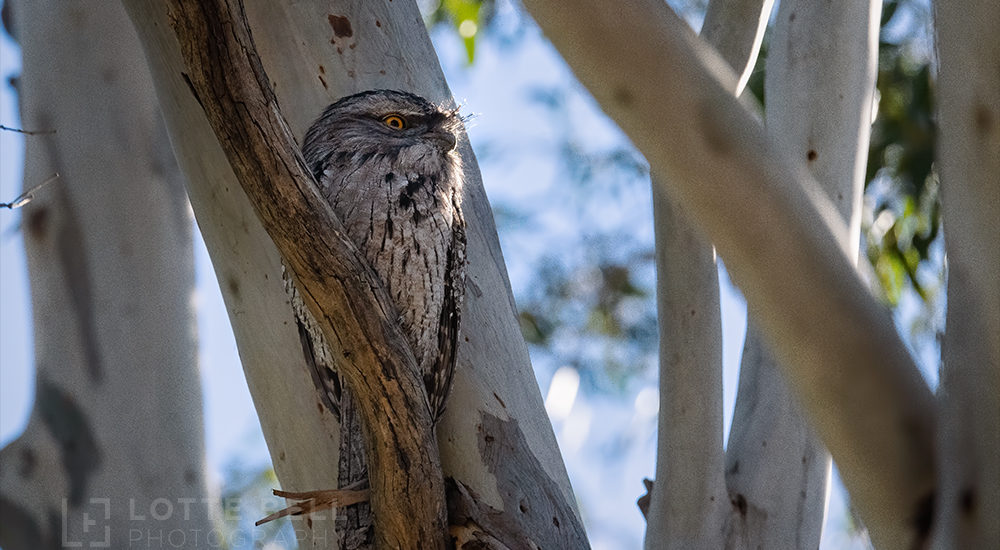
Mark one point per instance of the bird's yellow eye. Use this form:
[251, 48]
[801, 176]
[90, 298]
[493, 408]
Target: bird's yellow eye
[394, 121]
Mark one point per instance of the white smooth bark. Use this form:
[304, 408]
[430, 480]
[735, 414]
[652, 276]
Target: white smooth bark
[969, 165]
[781, 238]
[496, 442]
[820, 80]
[689, 506]
[301, 435]
[116, 427]
[735, 28]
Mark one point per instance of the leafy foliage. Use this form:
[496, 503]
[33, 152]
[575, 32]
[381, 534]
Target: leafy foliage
[466, 17]
[902, 182]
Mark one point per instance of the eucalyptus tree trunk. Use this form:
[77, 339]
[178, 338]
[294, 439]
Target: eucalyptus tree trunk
[689, 505]
[969, 163]
[113, 451]
[506, 481]
[819, 85]
[776, 469]
[783, 241]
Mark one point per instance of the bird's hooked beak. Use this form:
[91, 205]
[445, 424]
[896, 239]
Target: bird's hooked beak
[446, 140]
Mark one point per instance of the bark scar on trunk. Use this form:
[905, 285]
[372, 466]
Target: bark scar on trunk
[535, 512]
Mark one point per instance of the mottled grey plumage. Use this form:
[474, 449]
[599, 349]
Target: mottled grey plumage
[386, 162]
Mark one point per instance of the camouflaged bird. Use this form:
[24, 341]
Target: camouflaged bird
[386, 162]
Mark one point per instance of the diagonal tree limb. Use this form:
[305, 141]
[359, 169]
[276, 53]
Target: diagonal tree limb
[781, 239]
[339, 288]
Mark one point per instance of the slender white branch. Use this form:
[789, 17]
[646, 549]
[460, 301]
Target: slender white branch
[735, 28]
[781, 238]
[688, 504]
[819, 85]
[969, 163]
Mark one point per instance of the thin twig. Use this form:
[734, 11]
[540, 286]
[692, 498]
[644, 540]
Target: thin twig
[27, 132]
[29, 195]
[315, 501]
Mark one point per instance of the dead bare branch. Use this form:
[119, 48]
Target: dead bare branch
[29, 195]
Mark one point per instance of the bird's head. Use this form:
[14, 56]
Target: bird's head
[386, 122]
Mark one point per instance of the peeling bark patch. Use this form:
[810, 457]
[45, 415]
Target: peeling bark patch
[535, 513]
[713, 130]
[983, 119]
[70, 427]
[18, 528]
[28, 461]
[623, 97]
[923, 519]
[37, 222]
[967, 501]
[341, 26]
[740, 502]
[234, 287]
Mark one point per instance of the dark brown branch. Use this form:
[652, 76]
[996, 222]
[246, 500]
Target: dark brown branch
[339, 288]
